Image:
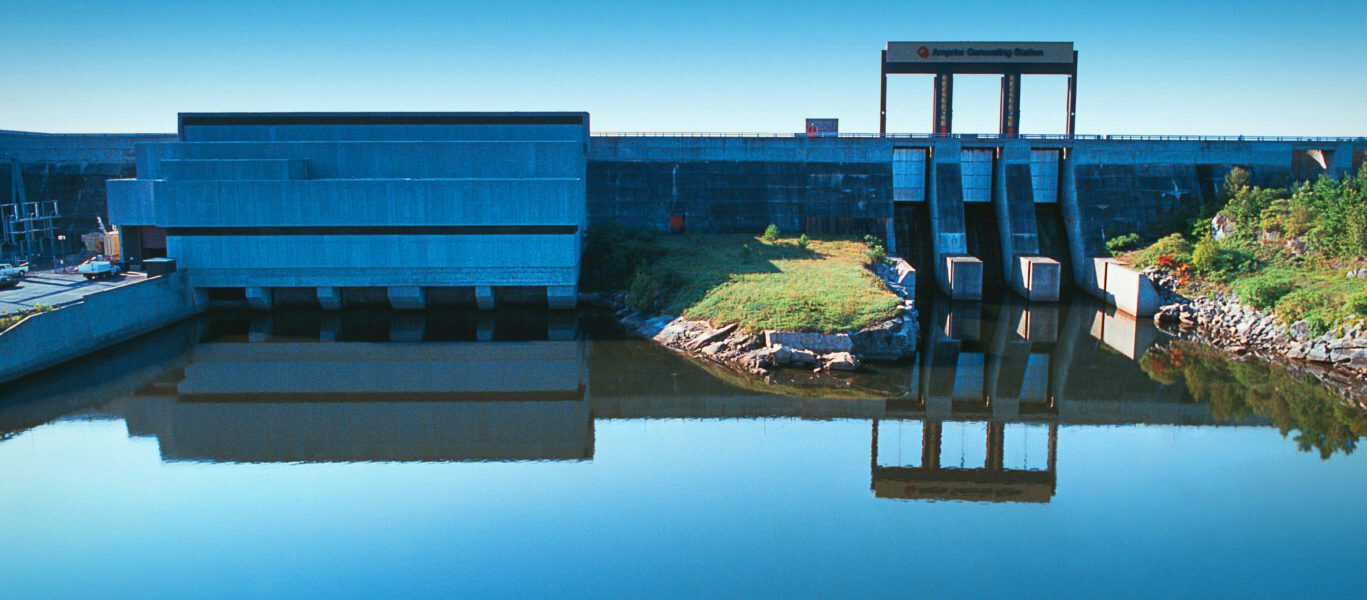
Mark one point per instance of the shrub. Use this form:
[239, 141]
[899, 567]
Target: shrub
[1206, 255]
[771, 233]
[1175, 247]
[1337, 214]
[1124, 243]
[1357, 304]
[1235, 179]
[1261, 293]
[1288, 219]
[613, 253]
[644, 293]
[803, 241]
[876, 255]
[1247, 206]
[1222, 261]
[1311, 304]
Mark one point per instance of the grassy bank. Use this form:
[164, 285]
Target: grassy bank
[1289, 250]
[775, 283]
[10, 319]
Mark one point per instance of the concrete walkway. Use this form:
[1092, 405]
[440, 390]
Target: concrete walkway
[57, 289]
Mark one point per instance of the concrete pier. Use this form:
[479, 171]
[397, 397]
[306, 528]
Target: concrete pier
[484, 297]
[1034, 277]
[407, 298]
[1125, 287]
[562, 297]
[1039, 277]
[260, 298]
[330, 298]
[958, 273]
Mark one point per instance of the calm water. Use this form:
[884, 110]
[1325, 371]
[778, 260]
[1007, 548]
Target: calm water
[1027, 452]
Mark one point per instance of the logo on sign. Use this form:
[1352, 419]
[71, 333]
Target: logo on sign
[923, 52]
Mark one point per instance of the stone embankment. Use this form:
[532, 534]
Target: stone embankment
[1338, 358]
[758, 353]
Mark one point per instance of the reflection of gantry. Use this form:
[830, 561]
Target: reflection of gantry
[990, 483]
[27, 228]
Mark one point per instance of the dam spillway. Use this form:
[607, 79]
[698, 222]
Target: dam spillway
[1091, 187]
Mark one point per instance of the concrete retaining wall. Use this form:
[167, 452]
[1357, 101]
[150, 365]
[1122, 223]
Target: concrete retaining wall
[101, 319]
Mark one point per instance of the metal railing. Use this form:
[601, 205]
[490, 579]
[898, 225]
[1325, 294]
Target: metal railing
[990, 136]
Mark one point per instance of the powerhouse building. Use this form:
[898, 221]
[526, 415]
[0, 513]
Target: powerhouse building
[412, 205]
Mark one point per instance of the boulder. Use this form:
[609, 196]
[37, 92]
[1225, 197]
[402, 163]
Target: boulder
[821, 343]
[841, 361]
[1300, 330]
[891, 340]
[713, 349]
[714, 336]
[805, 357]
[782, 355]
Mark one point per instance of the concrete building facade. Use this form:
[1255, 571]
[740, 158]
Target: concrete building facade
[474, 206]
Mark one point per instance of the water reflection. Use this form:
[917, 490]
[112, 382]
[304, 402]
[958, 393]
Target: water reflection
[529, 386]
[992, 481]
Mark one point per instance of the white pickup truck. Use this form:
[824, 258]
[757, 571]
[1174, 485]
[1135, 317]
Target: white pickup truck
[98, 268]
[9, 270]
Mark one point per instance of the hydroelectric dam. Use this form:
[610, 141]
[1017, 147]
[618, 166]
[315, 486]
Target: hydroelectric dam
[417, 209]
[1028, 213]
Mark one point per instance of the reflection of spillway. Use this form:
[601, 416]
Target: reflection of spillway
[993, 481]
[1068, 363]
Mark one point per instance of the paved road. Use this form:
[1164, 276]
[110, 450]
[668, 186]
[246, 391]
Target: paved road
[56, 289]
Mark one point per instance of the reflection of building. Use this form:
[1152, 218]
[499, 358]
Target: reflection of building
[283, 399]
[992, 482]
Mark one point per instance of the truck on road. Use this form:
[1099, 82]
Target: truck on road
[9, 270]
[98, 267]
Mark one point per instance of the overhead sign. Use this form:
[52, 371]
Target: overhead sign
[980, 52]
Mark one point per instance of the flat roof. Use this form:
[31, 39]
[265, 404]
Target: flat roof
[384, 118]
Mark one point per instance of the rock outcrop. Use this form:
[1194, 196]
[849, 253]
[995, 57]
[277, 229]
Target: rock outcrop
[1338, 357]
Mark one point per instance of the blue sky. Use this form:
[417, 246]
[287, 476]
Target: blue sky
[1251, 67]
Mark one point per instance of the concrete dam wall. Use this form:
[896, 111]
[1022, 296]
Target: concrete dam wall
[1000, 212]
[972, 213]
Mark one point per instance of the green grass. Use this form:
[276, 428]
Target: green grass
[8, 320]
[727, 279]
[1267, 277]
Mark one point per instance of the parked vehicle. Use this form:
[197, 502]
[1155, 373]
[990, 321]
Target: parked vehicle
[9, 270]
[7, 282]
[98, 267]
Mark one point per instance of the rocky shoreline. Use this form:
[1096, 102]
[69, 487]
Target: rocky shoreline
[1337, 358]
[759, 353]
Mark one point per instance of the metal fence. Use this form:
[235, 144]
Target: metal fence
[988, 136]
